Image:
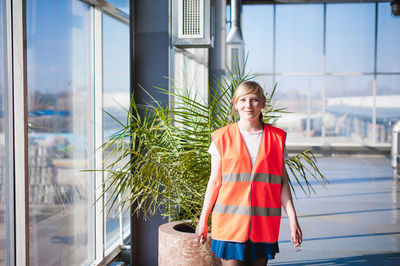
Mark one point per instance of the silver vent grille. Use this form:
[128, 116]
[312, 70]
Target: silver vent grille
[192, 19]
[191, 23]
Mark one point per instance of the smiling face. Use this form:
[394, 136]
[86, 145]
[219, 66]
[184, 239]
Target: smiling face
[249, 100]
[249, 106]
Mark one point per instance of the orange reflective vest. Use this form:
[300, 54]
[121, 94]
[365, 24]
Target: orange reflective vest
[249, 201]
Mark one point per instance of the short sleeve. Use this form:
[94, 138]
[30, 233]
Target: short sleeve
[213, 149]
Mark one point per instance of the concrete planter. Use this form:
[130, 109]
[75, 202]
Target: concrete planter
[181, 248]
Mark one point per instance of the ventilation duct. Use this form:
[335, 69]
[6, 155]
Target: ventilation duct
[234, 41]
[192, 23]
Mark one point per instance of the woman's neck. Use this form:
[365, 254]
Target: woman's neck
[250, 125]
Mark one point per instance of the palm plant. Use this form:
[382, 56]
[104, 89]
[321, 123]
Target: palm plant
[158, 160]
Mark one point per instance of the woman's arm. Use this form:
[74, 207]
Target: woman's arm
[287, 204]
[214, 184]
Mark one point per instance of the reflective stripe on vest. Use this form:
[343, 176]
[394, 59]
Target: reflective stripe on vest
[248, 203]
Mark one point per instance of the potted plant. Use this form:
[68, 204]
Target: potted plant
[158, 160]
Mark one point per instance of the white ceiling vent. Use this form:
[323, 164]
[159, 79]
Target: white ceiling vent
[191, 23]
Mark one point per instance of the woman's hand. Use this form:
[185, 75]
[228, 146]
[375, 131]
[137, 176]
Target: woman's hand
[202, 231]
[296, 235]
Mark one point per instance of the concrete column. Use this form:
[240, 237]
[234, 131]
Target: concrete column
[150, 46]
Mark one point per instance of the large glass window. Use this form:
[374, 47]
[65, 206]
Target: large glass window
[3, 126]
[387, 105]
[388, 40]
[349, 109]
[60, 115]
[350, 37]
[258, 36]
[299, 38]
[116, 100]
[329, 62]
[302, 98]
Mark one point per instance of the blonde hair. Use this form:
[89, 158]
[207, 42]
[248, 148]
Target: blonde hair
[248, 87]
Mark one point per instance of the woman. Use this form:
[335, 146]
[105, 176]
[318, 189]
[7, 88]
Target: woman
[247, 186]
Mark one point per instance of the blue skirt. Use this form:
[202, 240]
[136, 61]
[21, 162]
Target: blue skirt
[248, 251]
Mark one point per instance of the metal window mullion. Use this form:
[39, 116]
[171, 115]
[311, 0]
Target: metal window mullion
[116, 13]
[19, 76]
[374, 85]
[97, 43]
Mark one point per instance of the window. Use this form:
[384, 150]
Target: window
[48, 123]
[336, 66]
[388, 40]
[350, 30]
[258, 36]
[60, 115]
[301, 95]
[116, 80]
[299, 38]
[4, 233]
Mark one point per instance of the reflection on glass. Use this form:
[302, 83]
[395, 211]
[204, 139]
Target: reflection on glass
[349, 109]
[116, 98]
[3, 99]
[257, 25]
[121, 4]
[299, 38]
[388, 40]
[350, 37]
[302, 98]
[387, 106]
[61, 213]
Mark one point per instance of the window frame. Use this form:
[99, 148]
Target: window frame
[16, 156]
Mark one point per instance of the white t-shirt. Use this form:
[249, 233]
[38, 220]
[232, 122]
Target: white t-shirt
[252, 141]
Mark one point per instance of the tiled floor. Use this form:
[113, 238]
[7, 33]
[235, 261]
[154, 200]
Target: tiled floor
[355, 220]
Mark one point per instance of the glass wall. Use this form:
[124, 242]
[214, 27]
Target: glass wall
[60, 116]
[388, 68]
[336, 67]
[64, 63]
[299, 37]
[116, 98]
[3, 126]
[259, 50]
